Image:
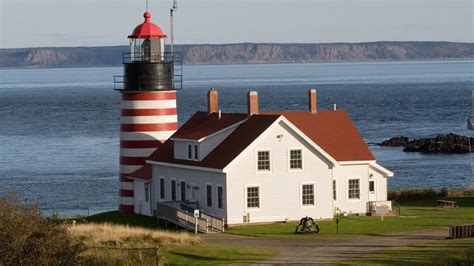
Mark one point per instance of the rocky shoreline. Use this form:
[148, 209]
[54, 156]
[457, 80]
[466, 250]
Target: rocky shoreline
[441, 144]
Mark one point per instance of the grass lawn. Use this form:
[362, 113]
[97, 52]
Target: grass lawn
[214, 254]
[415, 215]
[445, 252]
[112, 244]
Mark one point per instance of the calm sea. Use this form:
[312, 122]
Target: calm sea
[59, 128]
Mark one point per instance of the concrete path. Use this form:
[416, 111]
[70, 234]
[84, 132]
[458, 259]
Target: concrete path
[327, 250]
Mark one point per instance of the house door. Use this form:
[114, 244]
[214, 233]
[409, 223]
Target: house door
[372, 191]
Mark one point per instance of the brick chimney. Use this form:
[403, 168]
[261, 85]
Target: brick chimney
[252, 102]
[313, 101]
[212, 101]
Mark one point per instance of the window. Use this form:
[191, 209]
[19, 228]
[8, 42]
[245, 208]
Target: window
[308, 194]
[190, 151]
[334, 191]
[183, 191]
[296, 161]
[147, 192]
[209, 195]
[354, 189]
[372, 186]
[196, 152]
[263, 161]
[253, 197]
[162, 188]
[173, 190]
[220, 197]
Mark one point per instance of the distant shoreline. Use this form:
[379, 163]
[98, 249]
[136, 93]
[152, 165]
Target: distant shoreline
[243, 53]
[243, 64]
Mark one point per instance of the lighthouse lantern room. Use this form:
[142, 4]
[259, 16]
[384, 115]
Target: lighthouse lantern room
[148, 108]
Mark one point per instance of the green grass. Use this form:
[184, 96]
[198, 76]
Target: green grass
[415, 215]
[442, 252]
[214, 254]
[115, 217]
[171, 253]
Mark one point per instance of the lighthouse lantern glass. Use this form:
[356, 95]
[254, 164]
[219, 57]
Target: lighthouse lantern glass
[147, 49]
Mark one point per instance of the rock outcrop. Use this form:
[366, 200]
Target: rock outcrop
[450, 144]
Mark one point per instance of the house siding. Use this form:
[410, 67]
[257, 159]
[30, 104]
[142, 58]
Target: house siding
[280, 189]
[139, 201]
[196, 177]
[181, 149]
[381, 185]
[342, 174]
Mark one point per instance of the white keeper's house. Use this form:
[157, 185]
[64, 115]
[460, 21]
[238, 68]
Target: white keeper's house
[263, 167]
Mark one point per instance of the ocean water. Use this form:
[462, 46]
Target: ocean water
[59, 128]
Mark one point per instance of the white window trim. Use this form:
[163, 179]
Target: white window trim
[223, 197]
[375, 187]
[259, 198]
[347, 188]
[270, 158]
[302, 206]
[289, 159]
[193, 147]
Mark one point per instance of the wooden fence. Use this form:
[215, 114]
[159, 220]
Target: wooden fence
[461, 231]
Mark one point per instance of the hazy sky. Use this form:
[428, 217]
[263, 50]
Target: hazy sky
[31, 23]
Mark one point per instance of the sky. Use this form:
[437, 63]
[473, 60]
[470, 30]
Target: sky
[40, 23]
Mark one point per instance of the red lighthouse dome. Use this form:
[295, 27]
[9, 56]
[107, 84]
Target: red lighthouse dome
[147, 29]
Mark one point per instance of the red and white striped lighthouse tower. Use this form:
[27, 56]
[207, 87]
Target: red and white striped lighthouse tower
[148, 109]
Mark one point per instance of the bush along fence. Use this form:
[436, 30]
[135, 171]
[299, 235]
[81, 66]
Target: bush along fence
[461, 231]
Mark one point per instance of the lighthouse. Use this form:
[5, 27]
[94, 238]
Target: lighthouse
[148, 87]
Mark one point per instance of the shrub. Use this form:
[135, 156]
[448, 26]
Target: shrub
[429, 193]
[461, 192]
[27, 238]
[412, 194]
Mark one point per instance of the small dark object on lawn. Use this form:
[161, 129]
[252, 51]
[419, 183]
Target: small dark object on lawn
[446, 204]
[308, 226]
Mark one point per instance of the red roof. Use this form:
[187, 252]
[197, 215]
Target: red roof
[227, 150]
[203, 124]
[333, 131]
[144, 173]
[147, 29]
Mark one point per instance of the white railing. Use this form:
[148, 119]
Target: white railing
[376, 206]
[171, 212]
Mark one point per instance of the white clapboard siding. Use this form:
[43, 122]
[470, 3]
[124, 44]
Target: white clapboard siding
[280, 190]
[342, 174]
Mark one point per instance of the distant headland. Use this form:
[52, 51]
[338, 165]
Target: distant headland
[243, 53]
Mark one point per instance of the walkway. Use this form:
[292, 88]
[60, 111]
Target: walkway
[327, 250]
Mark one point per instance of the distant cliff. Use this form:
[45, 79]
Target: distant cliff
[244, 53]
